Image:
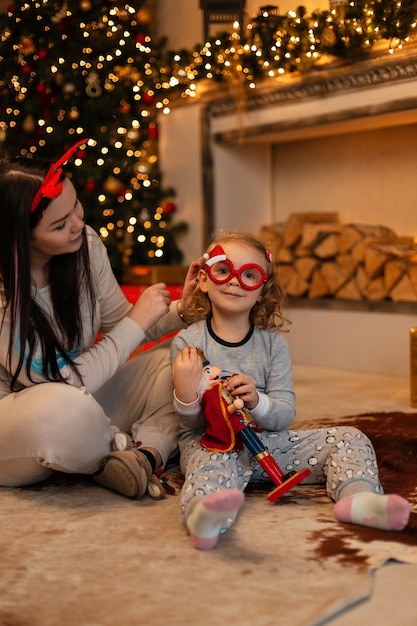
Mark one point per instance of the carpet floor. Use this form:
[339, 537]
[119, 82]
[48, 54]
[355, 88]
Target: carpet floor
[75, 554]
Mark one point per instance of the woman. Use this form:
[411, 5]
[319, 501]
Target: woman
[64, 396]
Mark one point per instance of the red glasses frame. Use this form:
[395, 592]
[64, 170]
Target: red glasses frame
[238, 274]
[51, 187]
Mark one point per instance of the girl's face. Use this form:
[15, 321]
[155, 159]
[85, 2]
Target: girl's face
[61, 226]
[231, 296]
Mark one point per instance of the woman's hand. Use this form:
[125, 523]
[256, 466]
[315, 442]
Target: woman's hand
[191, 276]
[241, 386]
[187, 372]
[151, 306]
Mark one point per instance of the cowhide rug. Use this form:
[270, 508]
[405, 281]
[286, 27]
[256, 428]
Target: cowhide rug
[394, 437]
[75, 554]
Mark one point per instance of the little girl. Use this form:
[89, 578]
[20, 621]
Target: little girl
[236, 321]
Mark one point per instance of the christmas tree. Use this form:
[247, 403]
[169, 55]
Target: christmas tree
[89, 69]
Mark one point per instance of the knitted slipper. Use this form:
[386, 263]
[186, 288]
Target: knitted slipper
[127, 472]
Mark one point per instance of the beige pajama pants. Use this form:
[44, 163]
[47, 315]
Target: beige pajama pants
[53, 426]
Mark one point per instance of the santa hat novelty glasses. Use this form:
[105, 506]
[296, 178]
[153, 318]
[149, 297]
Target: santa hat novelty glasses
[220, 270]
[50, 186]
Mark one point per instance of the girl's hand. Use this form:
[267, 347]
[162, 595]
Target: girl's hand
[151, 306]
[187, 372]
[241, 386]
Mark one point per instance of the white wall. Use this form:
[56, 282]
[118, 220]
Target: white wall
[367, 342]
[367, 177]
[180, 160]
[242, 195]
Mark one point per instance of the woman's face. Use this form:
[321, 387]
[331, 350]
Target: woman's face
[61, 226]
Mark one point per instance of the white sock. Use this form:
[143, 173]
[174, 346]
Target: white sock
[390, 512]
[205, 520]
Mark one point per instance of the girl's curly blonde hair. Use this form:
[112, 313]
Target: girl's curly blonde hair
[264, 314]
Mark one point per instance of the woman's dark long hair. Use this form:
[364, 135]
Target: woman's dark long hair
[70, 278]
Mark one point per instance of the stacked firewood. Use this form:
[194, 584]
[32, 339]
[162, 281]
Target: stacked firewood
[319, 257]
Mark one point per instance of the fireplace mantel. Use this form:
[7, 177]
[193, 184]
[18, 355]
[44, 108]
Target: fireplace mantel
[334, 98]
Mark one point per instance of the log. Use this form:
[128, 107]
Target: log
[359, 250]
[374, 261]
[285, 273]
[318, 286]
[349, 237]
[272, 236]
[348, 262]
[318, 257]
[349, 291]
[334, 275]
[294, 224]
[403, 291]
[296, 287]
[412, 272]
[362, 280]
[394, 270]
[328, 247]
[397, 247]
[351, 234]
[376, 290]
[301, 251]
[312, 234]
[305, 266]
[284, 255]
[369, 234]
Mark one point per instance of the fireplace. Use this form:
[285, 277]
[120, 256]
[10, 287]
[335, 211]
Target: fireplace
[336, 146]
[340, 139]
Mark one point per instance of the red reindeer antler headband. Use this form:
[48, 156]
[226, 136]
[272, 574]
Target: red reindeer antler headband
[50, 186]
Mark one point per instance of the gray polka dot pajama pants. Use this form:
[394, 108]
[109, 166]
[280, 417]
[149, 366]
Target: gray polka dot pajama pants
[340, 457]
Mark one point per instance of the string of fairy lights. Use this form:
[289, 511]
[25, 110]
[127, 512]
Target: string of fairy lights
[273, 45]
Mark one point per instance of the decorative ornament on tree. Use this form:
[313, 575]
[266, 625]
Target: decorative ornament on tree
[169, 207]
[56, 19]
[93, 89]
[328, 37]
[140, 38]
[144, 16]
[148, 97]
[133, 135]
[153, 131]
[26, 46]
[74, 114]
[66, 24]
[85, 5]
[41, 89]
[29, 124]
[124, 107]
[112, 185]
[90, 185]
[68, 88]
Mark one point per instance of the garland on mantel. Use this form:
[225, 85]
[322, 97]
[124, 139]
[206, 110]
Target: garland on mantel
[273, 45]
